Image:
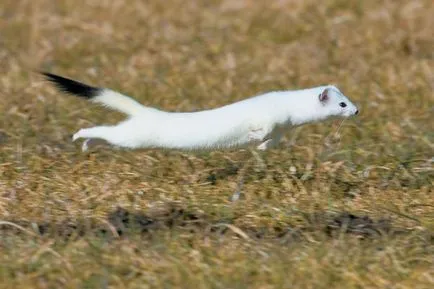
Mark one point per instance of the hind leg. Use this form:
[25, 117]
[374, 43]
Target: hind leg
[93, 136]
[101, 132]
[91, 142]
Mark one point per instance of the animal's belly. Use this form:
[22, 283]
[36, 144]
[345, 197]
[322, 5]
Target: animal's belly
[201, 136]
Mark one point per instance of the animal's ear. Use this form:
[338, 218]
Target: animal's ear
[324, 96]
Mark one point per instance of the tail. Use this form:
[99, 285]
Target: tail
[106, 97]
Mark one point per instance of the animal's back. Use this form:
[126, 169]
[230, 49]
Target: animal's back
[227, 126]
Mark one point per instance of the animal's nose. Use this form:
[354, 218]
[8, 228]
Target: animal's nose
[357, 111]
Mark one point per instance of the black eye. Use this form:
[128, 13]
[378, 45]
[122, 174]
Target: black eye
[343, 104]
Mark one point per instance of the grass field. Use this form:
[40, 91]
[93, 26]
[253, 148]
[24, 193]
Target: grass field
[353, 209]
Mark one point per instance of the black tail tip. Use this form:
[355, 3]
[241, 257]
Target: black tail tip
[71, 86]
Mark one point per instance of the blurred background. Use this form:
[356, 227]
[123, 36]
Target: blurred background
[327, 209]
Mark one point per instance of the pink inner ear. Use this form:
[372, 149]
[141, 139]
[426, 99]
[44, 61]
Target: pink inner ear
[324, 95]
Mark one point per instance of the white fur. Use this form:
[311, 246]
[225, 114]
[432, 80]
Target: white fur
[119, 102]
[260, 120]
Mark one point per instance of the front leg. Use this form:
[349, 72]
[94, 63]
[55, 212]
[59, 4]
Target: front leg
[265, 145]
[271, 142]
[257, 135]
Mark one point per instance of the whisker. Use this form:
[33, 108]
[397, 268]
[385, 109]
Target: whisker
[339, 127]
[335, 134]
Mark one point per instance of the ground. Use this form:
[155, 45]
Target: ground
[326, 209]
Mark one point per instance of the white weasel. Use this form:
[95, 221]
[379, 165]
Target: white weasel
[258, 120]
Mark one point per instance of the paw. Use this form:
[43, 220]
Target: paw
[77, 135]
[90, 143]
[265, 145]
[85, 145]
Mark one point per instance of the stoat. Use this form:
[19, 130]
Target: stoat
[260, 120]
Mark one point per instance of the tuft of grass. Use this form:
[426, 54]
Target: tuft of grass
[325, 210]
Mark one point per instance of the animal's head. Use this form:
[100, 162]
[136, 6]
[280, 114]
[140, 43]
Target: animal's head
[335, 103]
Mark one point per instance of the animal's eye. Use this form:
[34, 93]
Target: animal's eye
[343, 104]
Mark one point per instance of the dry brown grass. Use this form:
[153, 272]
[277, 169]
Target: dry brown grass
[59, 227]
